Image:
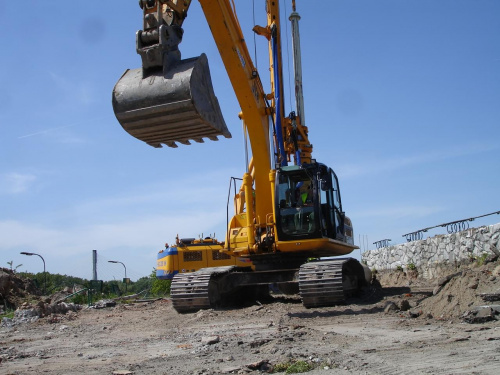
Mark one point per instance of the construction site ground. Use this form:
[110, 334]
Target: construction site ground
[410, 325]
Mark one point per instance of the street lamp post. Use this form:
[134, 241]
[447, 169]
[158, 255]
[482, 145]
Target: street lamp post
[125, 279]
[44, 274]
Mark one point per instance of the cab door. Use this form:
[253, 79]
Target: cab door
[337, 208]
[332, 217]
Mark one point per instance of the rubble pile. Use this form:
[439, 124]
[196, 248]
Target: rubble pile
[14, 290]
[21, 294]
[27, 313]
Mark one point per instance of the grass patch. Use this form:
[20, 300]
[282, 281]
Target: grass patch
[295, 367]
[481, 259]
[8, 314]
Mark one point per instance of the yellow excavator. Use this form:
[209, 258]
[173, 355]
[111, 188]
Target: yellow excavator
[288, 211]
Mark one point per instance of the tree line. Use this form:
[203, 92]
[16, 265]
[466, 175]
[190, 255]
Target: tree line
[51, 283]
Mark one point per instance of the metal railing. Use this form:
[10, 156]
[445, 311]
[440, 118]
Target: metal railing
[382, 243]
[451, 227]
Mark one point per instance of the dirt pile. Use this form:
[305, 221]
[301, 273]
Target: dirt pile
[14, 290]
[462, 292]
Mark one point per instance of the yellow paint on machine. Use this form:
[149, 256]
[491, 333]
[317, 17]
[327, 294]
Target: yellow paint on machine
[190, 257]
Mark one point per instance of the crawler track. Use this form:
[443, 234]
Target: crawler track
[196, 290]
[328, 283]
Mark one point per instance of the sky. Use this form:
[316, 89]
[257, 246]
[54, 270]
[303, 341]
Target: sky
[402, 100]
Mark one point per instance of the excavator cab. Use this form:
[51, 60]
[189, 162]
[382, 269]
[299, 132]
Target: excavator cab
[309, 205]
[168, 100]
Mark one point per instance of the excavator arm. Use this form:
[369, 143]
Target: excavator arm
[170, 100]
[284, 214]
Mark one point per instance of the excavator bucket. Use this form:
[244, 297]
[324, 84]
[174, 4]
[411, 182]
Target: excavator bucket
[178, 106]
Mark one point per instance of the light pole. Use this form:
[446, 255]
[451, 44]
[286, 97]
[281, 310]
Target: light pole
[44, 274]
[125, 279]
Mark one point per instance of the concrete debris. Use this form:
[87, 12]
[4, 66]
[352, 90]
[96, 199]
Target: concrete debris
[404, 305]
[103, 303]
[490, 297]
[390, 307]
[263, 366]
[414, 313]
[27, 314]
[210, 340]
[482, 314]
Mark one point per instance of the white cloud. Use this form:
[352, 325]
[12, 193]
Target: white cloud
[142, 234]
[130, 227]
[128, 220]
[16, 183]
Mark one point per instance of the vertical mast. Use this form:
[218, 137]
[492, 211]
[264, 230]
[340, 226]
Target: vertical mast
[297, 64]
[276, 70]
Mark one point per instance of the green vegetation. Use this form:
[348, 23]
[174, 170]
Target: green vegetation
[280, 367]
[159, 287]
[7, 314]
[13, 268]
[107, 289]
[299, 367]
[295, 367]
[481, 259]
[411, 266]
[399, 268]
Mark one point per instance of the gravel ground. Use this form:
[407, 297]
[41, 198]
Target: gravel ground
[388, 331]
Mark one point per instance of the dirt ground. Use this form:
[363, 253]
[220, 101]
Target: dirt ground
[400, 328]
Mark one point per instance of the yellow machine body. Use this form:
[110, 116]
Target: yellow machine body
[190, 255]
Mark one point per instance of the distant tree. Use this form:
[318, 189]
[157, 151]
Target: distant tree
[54, 282]
[159, 287]
[144, 283]
[15, 268]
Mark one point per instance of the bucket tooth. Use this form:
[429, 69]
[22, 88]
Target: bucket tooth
[174, 107]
